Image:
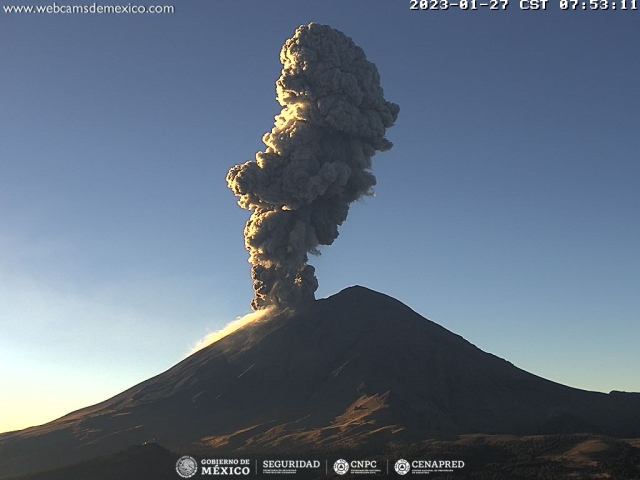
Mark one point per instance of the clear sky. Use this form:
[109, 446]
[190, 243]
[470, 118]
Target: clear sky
[507, 211]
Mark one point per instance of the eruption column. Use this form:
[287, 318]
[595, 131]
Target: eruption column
[317, 161]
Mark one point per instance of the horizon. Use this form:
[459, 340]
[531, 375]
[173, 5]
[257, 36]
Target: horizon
[268, 314]
[505, 212]
[240, 322]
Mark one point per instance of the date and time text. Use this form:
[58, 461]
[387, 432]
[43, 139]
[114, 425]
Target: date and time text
[524, 4]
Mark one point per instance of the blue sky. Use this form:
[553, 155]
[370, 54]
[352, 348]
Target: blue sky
[507, 210]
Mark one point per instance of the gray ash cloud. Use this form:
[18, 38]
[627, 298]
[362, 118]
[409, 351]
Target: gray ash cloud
[317, 161]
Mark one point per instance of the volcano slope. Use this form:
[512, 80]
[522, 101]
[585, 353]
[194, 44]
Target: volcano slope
[358, 370]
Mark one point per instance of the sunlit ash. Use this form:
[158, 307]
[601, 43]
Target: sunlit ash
[317, 161]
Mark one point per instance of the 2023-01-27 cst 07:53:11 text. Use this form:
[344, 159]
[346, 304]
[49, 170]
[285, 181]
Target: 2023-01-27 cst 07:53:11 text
[524, 4]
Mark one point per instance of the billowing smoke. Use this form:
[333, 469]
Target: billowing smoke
[317, 161]
[231, 327]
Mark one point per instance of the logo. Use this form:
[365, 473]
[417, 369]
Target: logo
[186, 466]
[225, 466]
[341, 466]
[425, 467]
[402, 467]
[289, 467]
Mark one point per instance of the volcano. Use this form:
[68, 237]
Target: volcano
[356, 371]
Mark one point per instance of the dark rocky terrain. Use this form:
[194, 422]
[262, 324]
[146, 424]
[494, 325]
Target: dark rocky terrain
[358, 371]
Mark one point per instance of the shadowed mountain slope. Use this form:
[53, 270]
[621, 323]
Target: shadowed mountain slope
[148, 461]
[356, 370]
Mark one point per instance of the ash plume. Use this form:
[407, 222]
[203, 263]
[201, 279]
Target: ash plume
[231, 327]
[317, 161]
